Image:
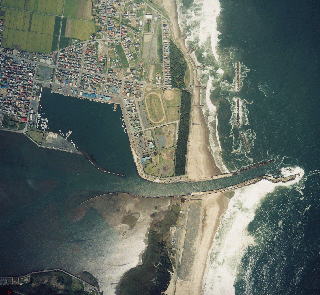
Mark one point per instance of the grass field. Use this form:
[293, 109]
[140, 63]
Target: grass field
[42, 24]
[78, 9]
[16, 19]
[34, 25]
[54, 7]
[29, 41]
[13, 3]
[79, 29]
[154, 107]
[172, 101]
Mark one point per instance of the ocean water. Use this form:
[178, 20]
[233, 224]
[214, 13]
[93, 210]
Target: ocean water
[278, 42]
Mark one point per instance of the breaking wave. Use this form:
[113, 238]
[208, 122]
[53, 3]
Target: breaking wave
[232, 238]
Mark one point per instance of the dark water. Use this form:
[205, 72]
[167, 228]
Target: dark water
[279, 41]
[40, 189]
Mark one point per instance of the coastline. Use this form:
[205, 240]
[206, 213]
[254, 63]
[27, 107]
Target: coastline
[200, 162]
[194, 245]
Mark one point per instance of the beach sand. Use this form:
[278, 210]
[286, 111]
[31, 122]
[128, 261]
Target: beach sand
[200, 163]
[199, 222]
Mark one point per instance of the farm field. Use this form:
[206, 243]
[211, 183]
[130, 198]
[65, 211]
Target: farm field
[79, 29]
[38, 26]
[78, 9]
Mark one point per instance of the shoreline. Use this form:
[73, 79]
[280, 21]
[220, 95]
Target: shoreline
[198, 142]
[188, 273]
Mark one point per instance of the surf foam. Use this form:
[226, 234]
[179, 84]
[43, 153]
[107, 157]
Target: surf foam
[209, 24]
[232, 237]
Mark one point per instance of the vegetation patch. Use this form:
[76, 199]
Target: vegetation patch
[29, 41]
[161, 164]
[183, 133]
[50, 283]
[178, 67]
[153, 275]
[42, 24]
[187, 3]
[122, 56]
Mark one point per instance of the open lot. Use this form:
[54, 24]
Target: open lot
[161, 164]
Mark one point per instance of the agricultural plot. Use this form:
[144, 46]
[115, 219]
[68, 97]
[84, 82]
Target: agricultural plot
[37, 25]
[19, 4]
[52, 7]
[78, 9]
[17, 19]
[79, 29]
[42, 24]
[21, 40]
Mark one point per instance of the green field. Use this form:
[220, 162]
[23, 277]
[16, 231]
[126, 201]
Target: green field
[42, 24]
[13, 3]
[34, 25]
[29, 41]
[78, 9]
[54, 7]
[154, 108]
[79, 29]
[16, 19]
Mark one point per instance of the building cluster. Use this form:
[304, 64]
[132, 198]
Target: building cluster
[17, 87]
[166, 54]
[78, 70]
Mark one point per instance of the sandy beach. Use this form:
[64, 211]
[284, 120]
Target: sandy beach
[195, 234]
